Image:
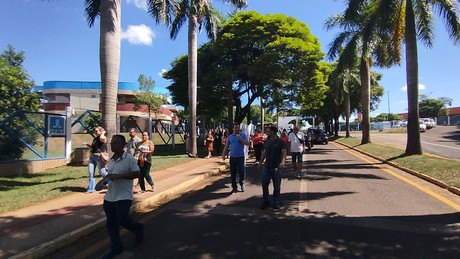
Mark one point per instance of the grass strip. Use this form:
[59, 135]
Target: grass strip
[442, 169]
[22, 191]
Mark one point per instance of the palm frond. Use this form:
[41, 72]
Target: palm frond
[424, 21]
[333, 21]
[449, 11]
[337, 44]
[212, 23]
[163, 11]
[176, 24]
[239, 4]
[92, 11]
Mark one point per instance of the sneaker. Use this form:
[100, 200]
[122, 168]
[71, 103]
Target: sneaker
[243, 188]
[276, 206]
[298, 175]
[256, 163]
[234, 190]
[265, 205]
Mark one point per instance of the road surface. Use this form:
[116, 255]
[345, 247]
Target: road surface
[346, 205]
[442, 141]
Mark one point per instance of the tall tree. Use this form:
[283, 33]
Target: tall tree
[109, 12]
[199, 13]
[270, 56]
[407, 21]
[358, 43]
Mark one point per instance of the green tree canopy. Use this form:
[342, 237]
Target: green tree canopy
[384, 117]
[431, 108]
[16, 91]
[270, 56]
[147, 97]
[16, 87]
[212, 93]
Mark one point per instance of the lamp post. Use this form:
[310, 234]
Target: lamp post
[388, 117]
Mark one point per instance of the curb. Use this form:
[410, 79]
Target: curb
[425, 177]
[161, 198]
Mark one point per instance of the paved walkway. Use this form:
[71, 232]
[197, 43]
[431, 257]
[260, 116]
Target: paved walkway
[38, 230]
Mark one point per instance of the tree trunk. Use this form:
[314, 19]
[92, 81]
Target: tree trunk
[413, 146]
[336, 126]
[364, 71]
[230, 103]
[192, 80]
[347, 112]
[109, 56]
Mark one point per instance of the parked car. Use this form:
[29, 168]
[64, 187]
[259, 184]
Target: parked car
[429, 123]
[320, 137]
[433, 122]
[422, 125]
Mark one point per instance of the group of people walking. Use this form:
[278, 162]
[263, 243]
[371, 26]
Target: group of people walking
[270, 150]
[140, 148]
[132, 159]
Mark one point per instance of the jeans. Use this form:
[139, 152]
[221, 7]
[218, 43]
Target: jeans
[145, 174]
[117, 214]
[275, 175]
[95, 161]
[258, 150]
[237, 165]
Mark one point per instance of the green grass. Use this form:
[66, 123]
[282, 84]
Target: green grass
[445, 170]
[22, 191]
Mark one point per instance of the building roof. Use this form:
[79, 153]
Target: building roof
[83, 85]
[452, 111]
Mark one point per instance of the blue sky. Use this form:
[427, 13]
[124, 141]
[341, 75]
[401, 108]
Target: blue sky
[59, 45]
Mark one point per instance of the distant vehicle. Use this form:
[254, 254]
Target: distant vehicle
[433, 122]
[396, 124]
[404, 123]
[428, 122]
[320, 137]
[422, 125]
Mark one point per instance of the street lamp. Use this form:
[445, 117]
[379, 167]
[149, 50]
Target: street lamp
[388, 117]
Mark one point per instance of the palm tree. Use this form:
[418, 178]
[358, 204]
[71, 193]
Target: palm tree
[109, 55]
[199, 13]
[358, 36]
[408, 21]
[109, 12]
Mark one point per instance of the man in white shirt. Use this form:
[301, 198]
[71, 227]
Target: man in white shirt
[123, 169]
[296, 141]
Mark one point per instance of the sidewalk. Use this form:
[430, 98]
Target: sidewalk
[38, 230]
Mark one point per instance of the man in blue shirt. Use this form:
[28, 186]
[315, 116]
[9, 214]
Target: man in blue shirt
[236, 142]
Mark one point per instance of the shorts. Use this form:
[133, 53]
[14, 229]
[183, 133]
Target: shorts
[296, 157]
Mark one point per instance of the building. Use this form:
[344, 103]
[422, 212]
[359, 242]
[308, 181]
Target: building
[452, 119]
[82, 96]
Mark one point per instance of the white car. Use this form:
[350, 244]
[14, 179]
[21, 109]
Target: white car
[422, 126]
[433, 122]
[428, 122]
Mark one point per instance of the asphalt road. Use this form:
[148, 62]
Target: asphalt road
[345, 206]
[442, 141]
